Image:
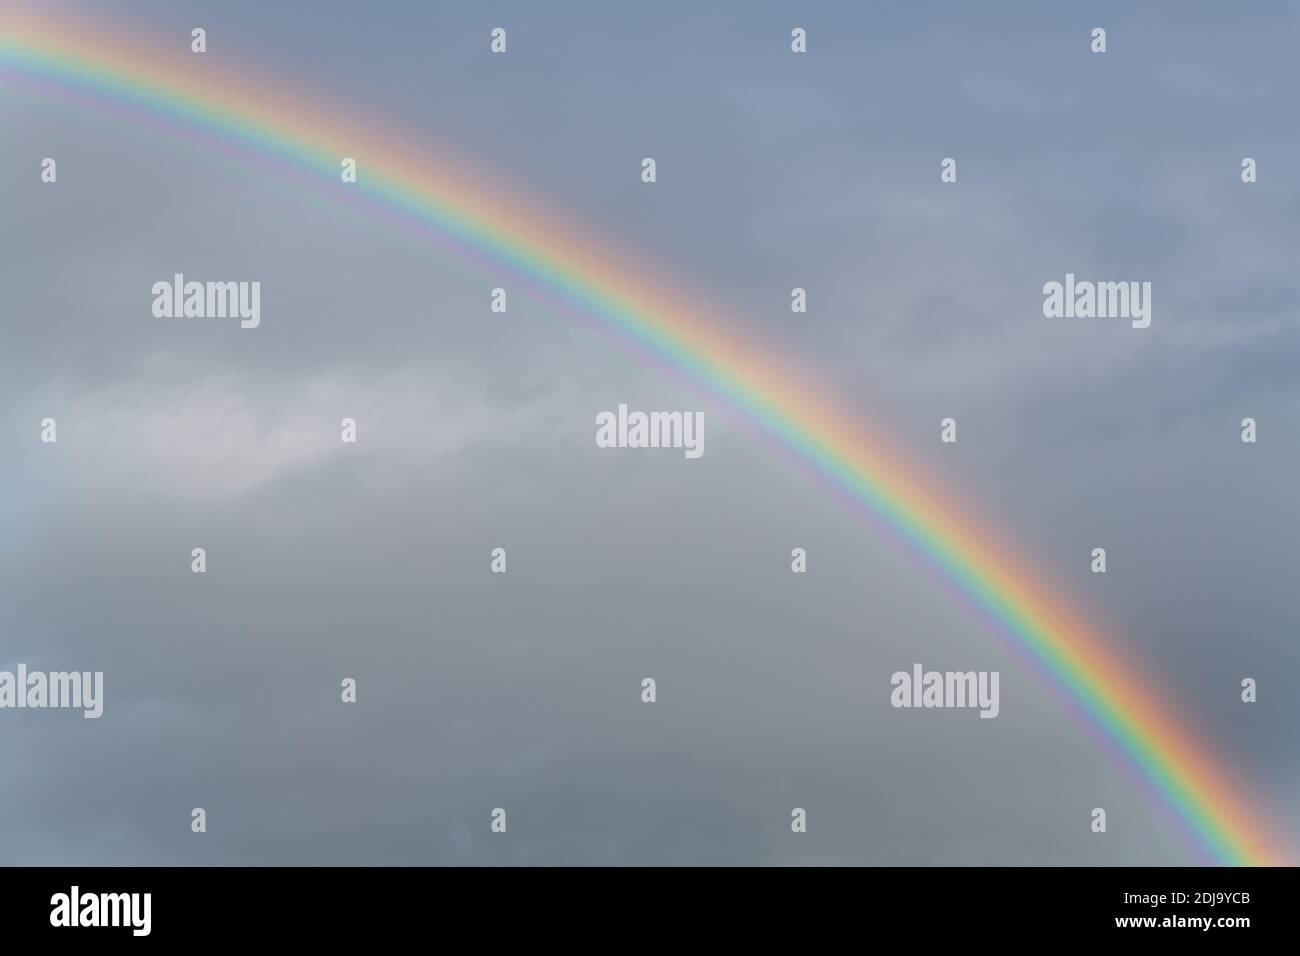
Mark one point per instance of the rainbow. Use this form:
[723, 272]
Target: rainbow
[108, 68]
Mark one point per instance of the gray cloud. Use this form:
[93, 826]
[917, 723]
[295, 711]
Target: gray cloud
[522, 691]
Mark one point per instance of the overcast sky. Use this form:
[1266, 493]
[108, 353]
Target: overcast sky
[476, 431]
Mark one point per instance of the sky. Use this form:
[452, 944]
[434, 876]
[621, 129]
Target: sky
[476, 431]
